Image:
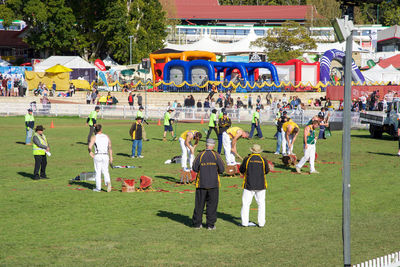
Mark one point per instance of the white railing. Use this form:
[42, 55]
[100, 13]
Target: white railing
[390, 260]
[154, 112]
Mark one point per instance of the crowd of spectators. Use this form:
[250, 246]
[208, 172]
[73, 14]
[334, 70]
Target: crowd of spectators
[373, 101]
[10, 86]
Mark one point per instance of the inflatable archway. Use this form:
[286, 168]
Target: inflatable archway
[325, 67]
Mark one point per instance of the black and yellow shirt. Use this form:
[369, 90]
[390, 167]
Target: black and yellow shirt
[255, 168]
[136, 131]
[208, 165]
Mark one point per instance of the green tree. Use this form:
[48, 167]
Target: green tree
[390, 13]
[286, 42]
[327, 11]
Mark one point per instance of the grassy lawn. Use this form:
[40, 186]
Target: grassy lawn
[50, 222]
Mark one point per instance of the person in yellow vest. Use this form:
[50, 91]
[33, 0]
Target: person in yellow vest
[40, 149]
[309, 147]
[103, 100]
[212, 124]
[290, 130]
[168, 124]
[29, 125]
[136, 132]
[229, 141]
[255, 124]
[185, 140]
[91, 122]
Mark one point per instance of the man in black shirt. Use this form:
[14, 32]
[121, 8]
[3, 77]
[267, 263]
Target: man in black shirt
[254, 168]
[223, 123]
[284, 118]
[208, 165]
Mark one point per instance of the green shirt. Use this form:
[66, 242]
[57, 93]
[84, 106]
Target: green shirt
[220, 115]
[256, 115]
[139, 114]
[92, 115]
[213, 119]
[311, 137]
[167, 117]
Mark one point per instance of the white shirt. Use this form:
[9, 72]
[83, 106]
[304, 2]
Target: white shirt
[101, 144]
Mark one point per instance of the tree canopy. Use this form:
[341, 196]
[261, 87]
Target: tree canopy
[286, 42]
[90, 28]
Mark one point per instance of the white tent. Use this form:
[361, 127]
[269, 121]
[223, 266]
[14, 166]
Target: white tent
[109, 62]
[323, 47]
[206, 44]
[4, 63]
[379, 74]
[72, 62]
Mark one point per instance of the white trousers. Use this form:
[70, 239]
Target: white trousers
[101, 167]
[285, 143]
[227, 143]
[247, 198]
[185, 153]
[309, 154]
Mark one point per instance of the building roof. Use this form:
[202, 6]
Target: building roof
[395, 61]
[12, 39]
[193, 10]
[389, 33]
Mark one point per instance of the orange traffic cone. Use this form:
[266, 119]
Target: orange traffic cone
[202, 120]
[159, 122]
[52, 124]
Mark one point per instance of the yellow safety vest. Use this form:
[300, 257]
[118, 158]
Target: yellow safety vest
[37, 150]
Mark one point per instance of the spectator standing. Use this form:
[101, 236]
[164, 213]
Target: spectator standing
[284, 99]
[131, 100]
[249, 102]
[88, 98]
[136, 133]
[208, 165]
[94, 96]
[139, 100]
[40, 149]
[254, 168]
[29, 125]
[258, 101]
[54, 88]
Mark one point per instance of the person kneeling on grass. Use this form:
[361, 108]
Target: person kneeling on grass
[102, 156]
[254, 168]
[136, 132]
[309, 147]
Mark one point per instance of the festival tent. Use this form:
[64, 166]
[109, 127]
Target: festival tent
[378, 74]
[58, 69]
[323, 47]
[4, 63]
[109, 62]
[81, 69]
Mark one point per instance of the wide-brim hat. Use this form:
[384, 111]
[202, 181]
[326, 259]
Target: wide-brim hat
[39, 128]
[141, 107]
[171, 109]
[256, 149]
[30, 110]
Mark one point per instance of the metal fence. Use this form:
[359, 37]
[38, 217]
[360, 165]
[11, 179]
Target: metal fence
[267, 116]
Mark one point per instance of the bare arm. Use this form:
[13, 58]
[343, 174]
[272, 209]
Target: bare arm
[90, 146]
[306, 133]
[234, 141]
[187, 142]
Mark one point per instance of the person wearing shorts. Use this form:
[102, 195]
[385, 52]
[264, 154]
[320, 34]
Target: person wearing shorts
[168, 124]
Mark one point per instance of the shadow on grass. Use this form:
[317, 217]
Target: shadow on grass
[168, 178]
[124, 155]
[266, 151]
[25, 174]
[81, 143]
[383, 154]
[283, 166]
[83, 184]
[186, 220]
[229, 218]
[126, 139]
[384, 137]
[20, 143]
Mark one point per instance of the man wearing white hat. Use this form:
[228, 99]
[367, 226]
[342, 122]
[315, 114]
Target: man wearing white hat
[254, 168]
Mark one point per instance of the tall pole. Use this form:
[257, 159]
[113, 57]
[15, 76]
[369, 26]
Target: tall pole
[346, 149]
[145, 94]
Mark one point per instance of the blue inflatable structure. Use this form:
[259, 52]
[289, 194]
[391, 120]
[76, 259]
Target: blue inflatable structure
[197, 72]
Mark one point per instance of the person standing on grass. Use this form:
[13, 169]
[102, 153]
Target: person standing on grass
[223, 123]
[40, 149]
[212, 124]
[255, 123]
[290, 130]
[136, 132]
[29, 125]
[185, 140]
[309, 147]
[254, 168]
[168, 124]
[208, 165]
[91, 122]
[139, 114]
[102, 157]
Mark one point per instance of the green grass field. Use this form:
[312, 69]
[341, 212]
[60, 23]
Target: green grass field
[50, 222]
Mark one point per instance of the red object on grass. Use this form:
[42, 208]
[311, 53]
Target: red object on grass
[130, 182]
[145, 181]
[316, 155]
[193, 175]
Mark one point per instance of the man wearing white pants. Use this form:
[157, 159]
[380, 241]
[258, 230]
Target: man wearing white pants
[185, 140]
[229, 141]
[254, 168]
[102, 157]
[290, 130]
[309, 147]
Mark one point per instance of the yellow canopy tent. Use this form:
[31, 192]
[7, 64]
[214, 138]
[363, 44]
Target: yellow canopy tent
[58, 69]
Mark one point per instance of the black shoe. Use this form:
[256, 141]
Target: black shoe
[44, 177]
[36, 178]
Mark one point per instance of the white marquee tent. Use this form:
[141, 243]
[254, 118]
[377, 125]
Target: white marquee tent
[379, 74]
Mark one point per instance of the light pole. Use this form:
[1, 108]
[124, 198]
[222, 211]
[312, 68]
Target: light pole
[130, 49]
